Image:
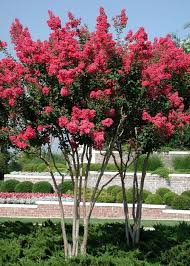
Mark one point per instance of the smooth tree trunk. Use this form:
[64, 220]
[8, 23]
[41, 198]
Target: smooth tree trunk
[138, 197]
[132, 232]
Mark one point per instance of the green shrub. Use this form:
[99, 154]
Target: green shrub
[25, 186]
[41, 167]
[146, 193]
[14, 166]
[61, 167]
[119, 197]
[9, 251]
[3, 162]
[169, 197]
[42, 187]
[181, 203]
[162, 191]
[66, 186]
[129, 195]
[9, 185]
[181, 162]
[154, 162]
[111, 167]
[186, 193]
[114, 190]
[154, 199]
[88, 193]
[97, 167]
[178, 255]
[162, 172]
[30, 167]
[106, 197]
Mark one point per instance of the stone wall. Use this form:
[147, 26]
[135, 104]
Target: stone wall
[44, 209]
[166, 157]
[178, 182]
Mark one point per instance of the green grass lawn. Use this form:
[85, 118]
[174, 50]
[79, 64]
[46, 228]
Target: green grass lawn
[146, 223]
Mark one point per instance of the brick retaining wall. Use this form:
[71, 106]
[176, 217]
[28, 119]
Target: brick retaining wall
[44, 209]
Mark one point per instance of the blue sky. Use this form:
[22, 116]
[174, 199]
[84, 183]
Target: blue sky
[158, 17]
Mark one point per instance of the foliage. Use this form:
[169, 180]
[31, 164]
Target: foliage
[181, 163]
[3, 162]
[14, 165]
[146, 193]
[129, 196]
[178, 255]
[97, 167]
[154, 199]
[36, 245]
[186, 193]
[114, 190]
[9, 185]
[66, 186]
[119, 197]
[154, 163]
[9, 251]
[181, 203]
[169, 197]
[106, 197]
[42, 187]
[25, 186]
[162, 191]
[162, 172]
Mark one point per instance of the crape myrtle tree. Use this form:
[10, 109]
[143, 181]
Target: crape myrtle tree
[87, 90]
[156, 104]
[65, 87]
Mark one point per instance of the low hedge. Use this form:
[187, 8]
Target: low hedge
[186, 193]
[9, 185]
[25, 186]
[162, 191]
[42, 187]
[154, 162]
[154, 199]
[66, 186]
[181, 162]
[169, 197]
[114, 190]
[181, 203]
[106, 197]
[129, 196]
[97, 167]
[162, 172]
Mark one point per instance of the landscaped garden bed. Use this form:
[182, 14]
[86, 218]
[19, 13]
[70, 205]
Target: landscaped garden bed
[30, 198]
[30, 244]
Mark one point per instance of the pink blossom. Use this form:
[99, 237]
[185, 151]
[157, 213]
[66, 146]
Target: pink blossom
[54, 22]
[45, 90]
[86, 127]
[98, 137]
[63, 121]
[48, 109]
[107, 122]
[30, 132]
[65, 92]
[72, 127]
[2, 45]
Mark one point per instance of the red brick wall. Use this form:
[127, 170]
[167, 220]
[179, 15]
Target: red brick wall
[108, 211]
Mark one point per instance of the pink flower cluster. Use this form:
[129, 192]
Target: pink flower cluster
[22, 138]
[30, 195]
[77, 80]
